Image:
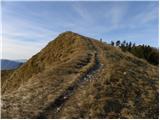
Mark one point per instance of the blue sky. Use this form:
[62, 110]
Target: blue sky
[28, 26]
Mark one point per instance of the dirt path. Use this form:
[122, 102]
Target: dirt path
[52, 110]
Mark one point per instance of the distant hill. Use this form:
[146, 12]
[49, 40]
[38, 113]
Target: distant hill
[9, 64]
[75, 76]
[21, 60]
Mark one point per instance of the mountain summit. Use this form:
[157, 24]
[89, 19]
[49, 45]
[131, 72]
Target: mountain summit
[79, 77]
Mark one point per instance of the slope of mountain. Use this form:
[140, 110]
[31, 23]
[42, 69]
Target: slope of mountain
[5, 75]
[79, 77]
[9, 64]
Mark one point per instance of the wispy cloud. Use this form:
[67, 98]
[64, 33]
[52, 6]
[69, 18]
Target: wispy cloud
[116, 13]
[82, 11]
[22, 37]
[17, 26]
[143, 18]
[28, 26]
[13, 49]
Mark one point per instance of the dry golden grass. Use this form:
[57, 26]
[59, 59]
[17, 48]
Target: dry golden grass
[5, 74]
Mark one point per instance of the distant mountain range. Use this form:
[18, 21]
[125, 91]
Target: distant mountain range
[20, 60]
[11, 64]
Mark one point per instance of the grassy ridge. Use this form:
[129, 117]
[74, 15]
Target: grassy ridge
[124, 86]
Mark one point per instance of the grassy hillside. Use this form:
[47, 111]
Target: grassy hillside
[5, 74]
[65, 49]
[79, 77]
